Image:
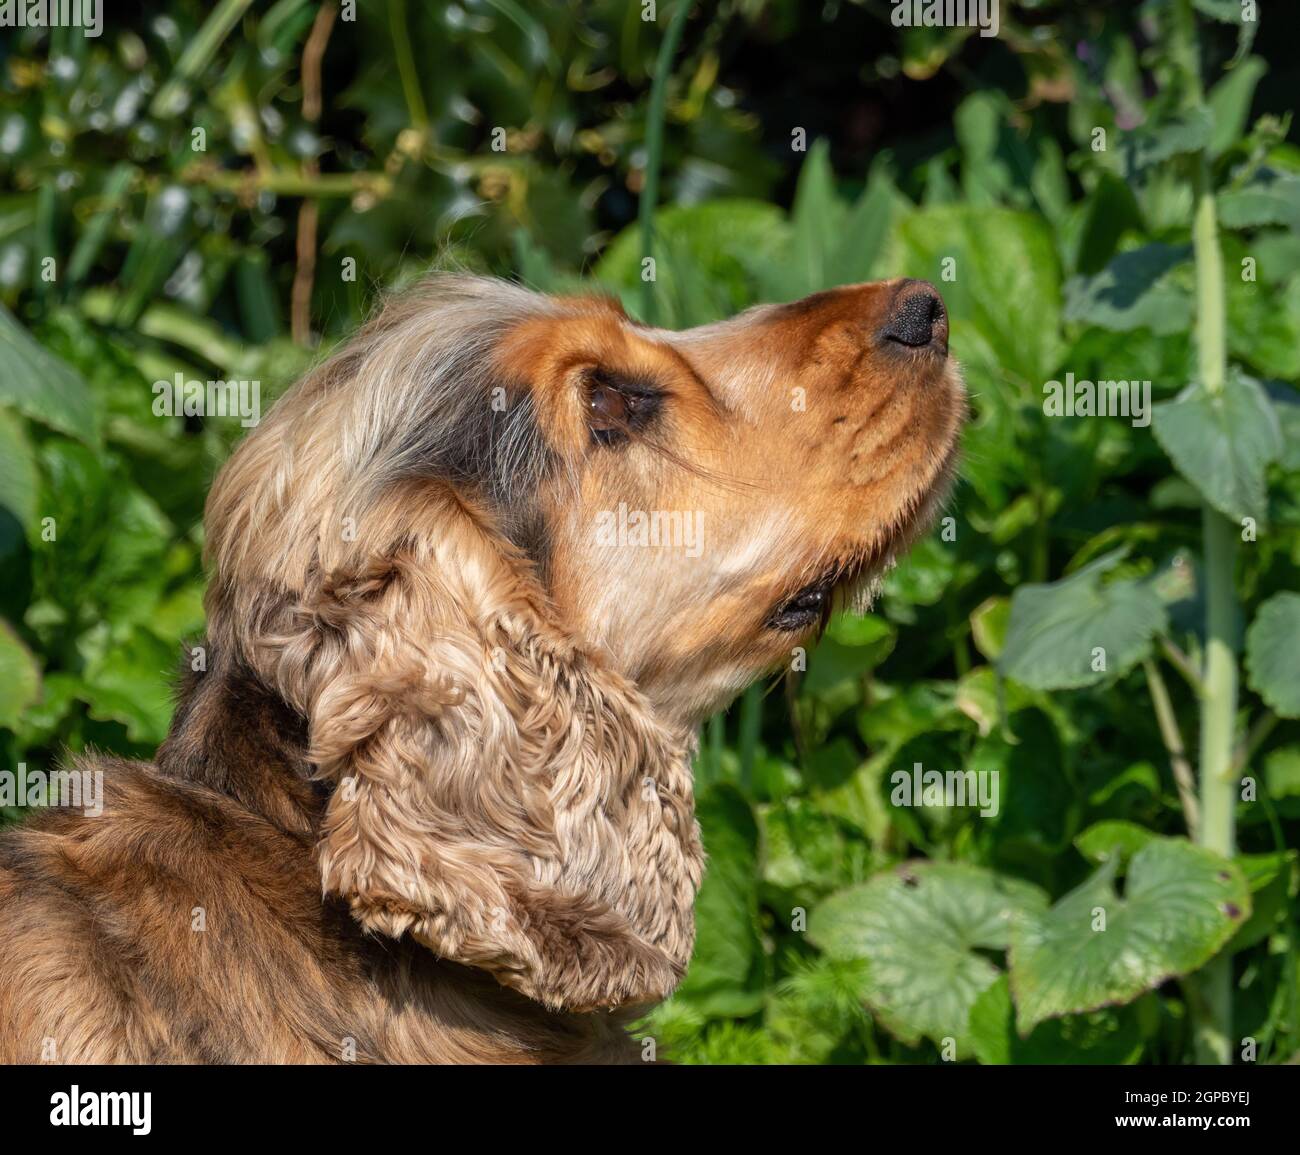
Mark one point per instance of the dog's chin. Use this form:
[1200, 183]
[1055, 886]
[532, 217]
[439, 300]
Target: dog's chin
[856, 593]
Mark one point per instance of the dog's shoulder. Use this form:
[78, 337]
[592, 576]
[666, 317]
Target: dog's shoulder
[125, 927]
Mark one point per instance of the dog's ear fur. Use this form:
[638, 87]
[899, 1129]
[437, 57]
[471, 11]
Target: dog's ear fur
[496, 794]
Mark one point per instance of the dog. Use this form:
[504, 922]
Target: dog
[427, 793]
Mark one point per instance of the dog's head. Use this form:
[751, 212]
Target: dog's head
[504, 551]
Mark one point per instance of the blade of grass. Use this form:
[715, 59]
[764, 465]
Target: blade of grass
[197, 55]
[654, 136]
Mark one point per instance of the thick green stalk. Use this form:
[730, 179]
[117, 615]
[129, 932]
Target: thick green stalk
[654, 150]
[1218, 777]
[1218, 702]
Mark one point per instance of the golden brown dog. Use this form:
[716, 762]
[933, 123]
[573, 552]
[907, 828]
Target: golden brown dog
[474, 582]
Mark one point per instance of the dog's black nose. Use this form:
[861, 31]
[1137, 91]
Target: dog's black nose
[918, 317]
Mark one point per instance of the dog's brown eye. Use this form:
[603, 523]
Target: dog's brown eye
[609, 410]
[616, 408]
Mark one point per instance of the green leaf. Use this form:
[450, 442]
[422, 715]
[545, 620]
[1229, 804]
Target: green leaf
[1174, 136]
[865, 230]
[18, 479]
[1137, 289]
[727, 243]
[131, 684]
[1222, 443]
[805, 849]
[1229, 101]
[1273, 653]
[1056, 628]
[20, 677]
[1181, 904]
[41, 386]
[850, 647]
[988, 626]
[921, 929]
[1113, 838]
[1282, 772]
[724, 975]
[1104, 1037]
[75, 493]
[1112, 210]
[1269, 200]
[817, 217]
[1269, 879]
[129, 576]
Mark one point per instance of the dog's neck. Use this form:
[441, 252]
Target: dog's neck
[237, 737]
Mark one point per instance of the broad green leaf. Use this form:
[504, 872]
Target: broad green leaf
[18, 479]
[1060, 633]
[1222, 443]
[1282, 772]
[20, 677]
[1263, 322]
[1112, 209]
[850, 647]
[41, 386]
[1175, 135]
[1269, 878]
[817, 217]
[1020, 769]
[988, 626]
[866, 229]
[807, 852]
[923, 574]
[1229, 101]
[1181, 904]
[922, 928]
[1233, 12]
[1103, 1037]
[988, 700]
[129, 576]
[1273, 653]
[1271, 199]
[862, 630]
[1113, 838]
[1137, 289]
[131, 683]
[75, 493]
[723, 978]
[728, 241]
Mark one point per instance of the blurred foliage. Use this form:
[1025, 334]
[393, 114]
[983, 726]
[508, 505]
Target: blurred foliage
[167, 168]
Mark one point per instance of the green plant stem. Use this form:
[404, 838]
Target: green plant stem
[285, 183]
[1257, 736]
[1218, 774]
[654, 138]
[1184, 777]
[1219, 702]
[1184, 665]
[414, 97]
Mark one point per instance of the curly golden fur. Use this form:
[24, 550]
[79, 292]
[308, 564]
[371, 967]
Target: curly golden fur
[427, 793]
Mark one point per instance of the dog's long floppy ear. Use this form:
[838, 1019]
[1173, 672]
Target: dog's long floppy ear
[497, 794]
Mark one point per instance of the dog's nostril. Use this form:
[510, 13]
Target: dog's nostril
[918, 318]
